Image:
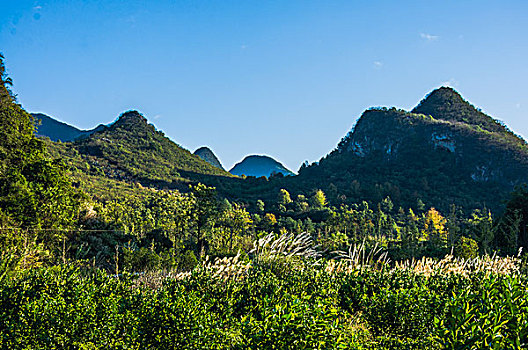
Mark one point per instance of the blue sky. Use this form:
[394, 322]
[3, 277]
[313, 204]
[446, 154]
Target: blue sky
[282, 78]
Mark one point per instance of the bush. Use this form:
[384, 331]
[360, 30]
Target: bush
[466, 248]
[304, 307]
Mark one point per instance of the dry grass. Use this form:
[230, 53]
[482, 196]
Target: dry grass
[451, 265]
[227, 268]
[287, 245]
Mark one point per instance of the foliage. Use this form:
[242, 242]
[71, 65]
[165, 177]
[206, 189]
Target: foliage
[466, 248]
[35, 191]
[492, 314]
[259, 306]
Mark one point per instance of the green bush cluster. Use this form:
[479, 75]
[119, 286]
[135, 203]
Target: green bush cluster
[274, 306]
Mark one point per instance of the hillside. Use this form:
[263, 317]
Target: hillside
[258, 166]
[58, 131]
[206, 154]
[444, 151]
[131, 150]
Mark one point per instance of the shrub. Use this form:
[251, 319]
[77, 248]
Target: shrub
[466, 248]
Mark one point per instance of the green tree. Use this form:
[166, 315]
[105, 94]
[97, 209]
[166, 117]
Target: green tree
[483, 228]
[284, 197]
[260, 206]
[35, 192]
[203, 213]
[516, 213]
[319, 199]
[466, 248]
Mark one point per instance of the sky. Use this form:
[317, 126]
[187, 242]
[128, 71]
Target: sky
[283, 78]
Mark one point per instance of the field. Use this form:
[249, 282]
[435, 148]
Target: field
[282, 296]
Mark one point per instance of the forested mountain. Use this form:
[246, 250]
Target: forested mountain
[258, 166]
[443, 152]
[131, 150]
[58, 131]
[206, 154]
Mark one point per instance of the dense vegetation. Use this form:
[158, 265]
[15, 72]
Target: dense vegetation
[434, 158]
[271, 302]
[114, 241]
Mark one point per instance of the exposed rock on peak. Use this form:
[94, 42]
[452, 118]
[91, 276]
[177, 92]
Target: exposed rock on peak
[445, 151]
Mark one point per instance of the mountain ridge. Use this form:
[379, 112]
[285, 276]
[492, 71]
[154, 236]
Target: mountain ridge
[57, 130]
[443, 151]
[132, 150]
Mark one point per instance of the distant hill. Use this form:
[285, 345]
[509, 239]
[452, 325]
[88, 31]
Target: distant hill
[258, 166]
[132, 150]
[60, 131]
[444, 152]
[206, 154]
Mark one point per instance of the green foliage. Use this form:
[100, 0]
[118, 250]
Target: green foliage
[284, 197]
[319, 199]
[513, 225]
[132, 150]
[493, 314]
[188, 261]
[287, 306]
[415, 158]
[466, 248]
[35, 191]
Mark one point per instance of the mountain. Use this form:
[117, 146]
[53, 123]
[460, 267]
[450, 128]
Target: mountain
[444, 151]
[59, 131]
[206, 154]
[133, 151]
[258, 166]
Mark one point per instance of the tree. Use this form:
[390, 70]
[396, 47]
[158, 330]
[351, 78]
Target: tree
[204, 212]
[238, 221]
[35, 192]
[516, 213]
[301, 205]
[319, 199]
[466, 248]
[483, 228]
[260, 206]
[269, 221]
[435, 229]
[284, 197]
[6, 96]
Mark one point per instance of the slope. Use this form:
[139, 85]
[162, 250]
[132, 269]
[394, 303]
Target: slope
[445, 151]
[133, 151]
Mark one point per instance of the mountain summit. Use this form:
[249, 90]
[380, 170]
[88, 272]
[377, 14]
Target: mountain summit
[444, 151]
[447, 104]
[130, 119]
[206, 154]
[258, 166]
[133, 150]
